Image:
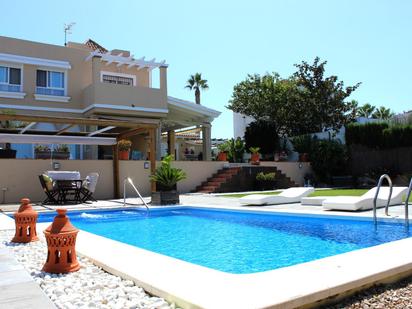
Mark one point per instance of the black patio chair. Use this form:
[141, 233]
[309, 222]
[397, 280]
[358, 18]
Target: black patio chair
[52, 195]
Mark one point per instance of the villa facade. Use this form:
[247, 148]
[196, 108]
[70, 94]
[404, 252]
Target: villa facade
[87, 81]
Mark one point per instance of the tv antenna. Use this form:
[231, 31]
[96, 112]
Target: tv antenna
[67, 30]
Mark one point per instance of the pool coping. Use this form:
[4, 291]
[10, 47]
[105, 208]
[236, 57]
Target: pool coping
[194, 286]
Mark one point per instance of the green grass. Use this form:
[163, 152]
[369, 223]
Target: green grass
[339, 192]
[238, 195]
[318, 192]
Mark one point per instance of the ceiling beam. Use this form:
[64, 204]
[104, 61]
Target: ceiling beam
[29, 126]
[65, 129]
[76, 121]
[132, 132]
[100, 131]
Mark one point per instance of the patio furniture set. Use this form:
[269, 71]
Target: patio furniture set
[63, 187]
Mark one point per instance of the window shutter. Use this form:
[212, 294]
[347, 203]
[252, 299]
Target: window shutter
[41, 78]
[15, 76]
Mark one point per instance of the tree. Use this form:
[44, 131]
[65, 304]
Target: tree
[382, 113]
[196, 83]
[366, 110]
[262, 134]
[323, 98]
[306, 102]
[266, 98]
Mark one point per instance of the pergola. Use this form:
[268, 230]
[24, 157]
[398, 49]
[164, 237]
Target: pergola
[110, 132]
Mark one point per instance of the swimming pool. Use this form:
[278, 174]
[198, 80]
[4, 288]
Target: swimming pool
[232, 241]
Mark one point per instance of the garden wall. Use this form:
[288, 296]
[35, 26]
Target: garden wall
[366, 160]
[20, 177]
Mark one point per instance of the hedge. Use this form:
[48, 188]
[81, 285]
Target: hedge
[379, 135]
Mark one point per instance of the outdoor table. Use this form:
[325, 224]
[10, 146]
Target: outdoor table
[64, 175]
[68, 187]
[68, 183]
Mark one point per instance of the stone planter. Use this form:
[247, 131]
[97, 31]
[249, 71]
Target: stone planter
[165, 197]
[58, 155]
[263, 185]
[42, 154]
[8, 153]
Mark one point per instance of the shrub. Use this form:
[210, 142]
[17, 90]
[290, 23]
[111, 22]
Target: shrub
[302, 143]
[62, 148]
[124, 145]
[266, 177]
[379, 135]
[254, 150]
[41, 148]
[368, 134]
[328, 158]
[397, 136]
[262, 134]
[166, 175]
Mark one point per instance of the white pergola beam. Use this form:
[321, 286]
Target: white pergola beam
[29, 126]
[55, 139]
[100, 131]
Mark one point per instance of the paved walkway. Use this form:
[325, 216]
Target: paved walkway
[17, 287]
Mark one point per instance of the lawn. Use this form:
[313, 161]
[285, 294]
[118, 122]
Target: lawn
[318, 192]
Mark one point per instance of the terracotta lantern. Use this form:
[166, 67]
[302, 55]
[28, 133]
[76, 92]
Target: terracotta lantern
[25, 219]
[61, 242]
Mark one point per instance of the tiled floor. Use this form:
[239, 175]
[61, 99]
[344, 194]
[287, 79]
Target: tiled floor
[17, 288]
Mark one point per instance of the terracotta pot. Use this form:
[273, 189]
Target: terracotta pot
[222, 156]
[254, 159]
[124, 155]
[304, 157]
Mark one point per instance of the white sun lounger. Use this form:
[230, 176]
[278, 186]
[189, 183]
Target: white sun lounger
[291, 195]
[365, 201]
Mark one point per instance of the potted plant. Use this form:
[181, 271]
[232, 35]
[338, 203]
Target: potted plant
[124, 146]
[303, 145]
[254, 159]
[42, 152]
[61, 152]
[166, 178]
[223, 150]
[265, 181]
[236, 150]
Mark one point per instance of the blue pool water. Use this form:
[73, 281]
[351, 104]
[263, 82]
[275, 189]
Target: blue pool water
[235, 242]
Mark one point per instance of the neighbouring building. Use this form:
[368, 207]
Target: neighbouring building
[85, 80]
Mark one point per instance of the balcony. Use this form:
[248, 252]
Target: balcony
[102, 98]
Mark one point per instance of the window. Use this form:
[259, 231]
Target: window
[10, 79]
[50, 83]
[119, 80]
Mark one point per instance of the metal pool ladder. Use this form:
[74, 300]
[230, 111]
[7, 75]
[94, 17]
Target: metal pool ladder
[407, 204]
[384, 176]
[129, 180]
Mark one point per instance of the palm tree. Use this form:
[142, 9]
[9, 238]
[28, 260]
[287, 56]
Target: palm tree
[382, 113]
[366, 110]
[196, 82]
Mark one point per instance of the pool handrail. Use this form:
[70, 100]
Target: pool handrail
[407, 203]
[384, 176]
[130, 181]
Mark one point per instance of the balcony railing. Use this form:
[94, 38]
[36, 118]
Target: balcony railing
[50, 91]
[10, 88]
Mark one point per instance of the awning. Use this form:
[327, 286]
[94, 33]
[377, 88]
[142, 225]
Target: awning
[55, 139]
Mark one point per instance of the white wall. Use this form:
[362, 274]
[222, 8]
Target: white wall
[240, 122]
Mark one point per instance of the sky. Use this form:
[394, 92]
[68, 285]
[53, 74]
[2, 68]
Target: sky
[368, 41]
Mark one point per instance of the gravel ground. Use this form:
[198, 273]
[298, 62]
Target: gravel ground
[396, 295]
[90, 287]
